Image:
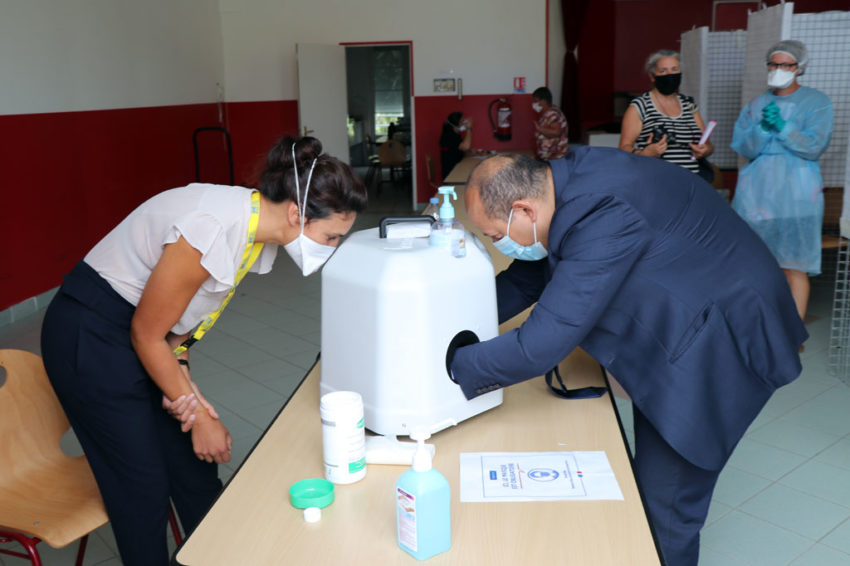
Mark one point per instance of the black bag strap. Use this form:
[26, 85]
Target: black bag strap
[563, 392]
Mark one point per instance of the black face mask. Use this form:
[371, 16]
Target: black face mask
[667, 84]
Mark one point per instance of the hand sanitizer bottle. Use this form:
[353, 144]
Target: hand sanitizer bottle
[423, 500]
[447, 232]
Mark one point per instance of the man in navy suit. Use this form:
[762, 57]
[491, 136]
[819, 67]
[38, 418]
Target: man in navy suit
[645, 267]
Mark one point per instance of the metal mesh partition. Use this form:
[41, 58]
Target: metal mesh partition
[839, 330]
[827, 38]
[725, 60]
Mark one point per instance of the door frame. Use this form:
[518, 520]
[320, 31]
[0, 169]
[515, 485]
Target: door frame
[413, 160]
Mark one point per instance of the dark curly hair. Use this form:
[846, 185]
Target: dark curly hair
[334, 187]
[544, 94]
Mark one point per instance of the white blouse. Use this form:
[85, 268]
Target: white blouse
[213, 219]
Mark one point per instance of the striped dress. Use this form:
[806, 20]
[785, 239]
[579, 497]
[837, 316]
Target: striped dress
[683, 127]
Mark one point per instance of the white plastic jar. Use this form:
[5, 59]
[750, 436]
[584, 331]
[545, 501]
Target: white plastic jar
[343, 436]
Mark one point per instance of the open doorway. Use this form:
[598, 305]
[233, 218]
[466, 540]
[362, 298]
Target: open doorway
[379, 110]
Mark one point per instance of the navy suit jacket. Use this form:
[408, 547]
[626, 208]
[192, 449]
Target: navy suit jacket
[653, 274]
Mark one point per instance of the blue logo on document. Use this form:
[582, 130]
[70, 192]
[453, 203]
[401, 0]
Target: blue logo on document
[493, 475]
[543, 474]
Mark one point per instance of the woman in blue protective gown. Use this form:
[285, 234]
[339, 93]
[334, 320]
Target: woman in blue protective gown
[783, 132]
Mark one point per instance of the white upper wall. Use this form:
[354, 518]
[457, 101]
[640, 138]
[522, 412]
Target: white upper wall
[69, 55]
[73, 55]
[484, 42]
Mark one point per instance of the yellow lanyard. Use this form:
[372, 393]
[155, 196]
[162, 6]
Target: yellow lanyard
[249, 256]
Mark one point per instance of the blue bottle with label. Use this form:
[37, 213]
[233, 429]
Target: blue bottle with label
[423, 505]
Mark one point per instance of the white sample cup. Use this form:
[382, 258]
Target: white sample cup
[343, 436]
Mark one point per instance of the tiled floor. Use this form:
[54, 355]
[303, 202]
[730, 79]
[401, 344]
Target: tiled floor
[784, 498]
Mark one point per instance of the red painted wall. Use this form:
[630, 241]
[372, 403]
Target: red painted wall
[644, 26]
[69, 177]
[254, 127]
[596, 51]
[432, 111]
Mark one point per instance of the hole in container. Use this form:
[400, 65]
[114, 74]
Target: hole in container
[461, 339]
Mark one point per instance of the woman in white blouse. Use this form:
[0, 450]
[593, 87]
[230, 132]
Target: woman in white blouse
[115, 338]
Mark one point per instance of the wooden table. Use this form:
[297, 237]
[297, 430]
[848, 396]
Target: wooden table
[253, 523]
[460, 173]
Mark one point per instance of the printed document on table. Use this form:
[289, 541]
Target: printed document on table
[537, 476]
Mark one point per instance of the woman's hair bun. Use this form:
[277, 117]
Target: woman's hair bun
[306, 150]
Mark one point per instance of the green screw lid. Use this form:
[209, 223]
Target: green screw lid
[313, 492]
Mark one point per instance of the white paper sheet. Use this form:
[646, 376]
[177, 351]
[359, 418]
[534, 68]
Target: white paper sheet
[536, 476]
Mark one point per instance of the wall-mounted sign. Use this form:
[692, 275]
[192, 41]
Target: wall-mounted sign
[519, 84]
[444, 86]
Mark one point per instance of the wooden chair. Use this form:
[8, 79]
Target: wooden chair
[44, 494]
[393, 156]
[374, 161]
[429, 171]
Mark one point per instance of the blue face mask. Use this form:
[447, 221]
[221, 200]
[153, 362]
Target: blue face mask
[525, 253]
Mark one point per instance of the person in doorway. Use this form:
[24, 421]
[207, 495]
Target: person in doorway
[455, 141]
[663, 123]
[550, 128]
[647, 268]
[783, 132]
[115, 337]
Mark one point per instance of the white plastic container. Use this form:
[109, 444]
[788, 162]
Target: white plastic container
[343, 437]
[390, 308]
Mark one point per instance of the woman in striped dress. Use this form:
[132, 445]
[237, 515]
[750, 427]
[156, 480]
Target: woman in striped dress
[663, 123]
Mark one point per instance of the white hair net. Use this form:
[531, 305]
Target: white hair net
[791, 47]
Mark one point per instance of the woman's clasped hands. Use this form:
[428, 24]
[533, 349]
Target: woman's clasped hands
[210, 439]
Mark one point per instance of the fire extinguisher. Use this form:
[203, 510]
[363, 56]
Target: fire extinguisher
[502, 122]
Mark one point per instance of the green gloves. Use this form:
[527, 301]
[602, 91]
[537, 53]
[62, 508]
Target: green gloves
[771, 118]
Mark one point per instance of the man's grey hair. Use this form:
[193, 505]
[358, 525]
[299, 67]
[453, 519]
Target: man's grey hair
[519, 178]
[653, 59]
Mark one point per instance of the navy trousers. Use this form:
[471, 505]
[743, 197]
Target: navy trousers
[677, 493]
[138, 454]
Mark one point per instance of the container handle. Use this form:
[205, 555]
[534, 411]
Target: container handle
[387, 220]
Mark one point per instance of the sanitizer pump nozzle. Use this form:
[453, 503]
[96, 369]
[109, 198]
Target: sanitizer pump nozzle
[447, 211]
[422, 457]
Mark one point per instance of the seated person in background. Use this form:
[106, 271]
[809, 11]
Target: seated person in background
[550, 129]
[455, 141]
[663, 123]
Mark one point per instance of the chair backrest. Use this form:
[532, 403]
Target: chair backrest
[392, 153]
[429, 171]
[27, 397]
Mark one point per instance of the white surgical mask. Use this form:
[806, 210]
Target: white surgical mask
[536, 106]
[512, 249]
[780, 78]
[307, 254]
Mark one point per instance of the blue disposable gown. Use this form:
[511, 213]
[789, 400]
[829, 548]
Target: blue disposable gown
[780, 191]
